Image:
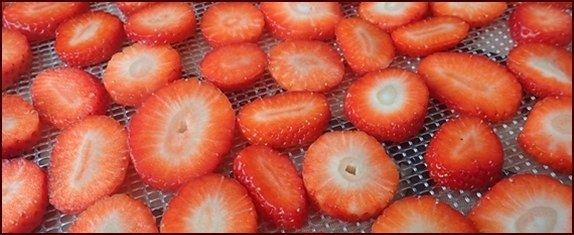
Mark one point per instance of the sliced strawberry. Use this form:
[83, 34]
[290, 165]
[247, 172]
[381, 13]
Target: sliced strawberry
[21, 127]
[65, 95]
[285, 120]
[180, 132]
[391, 15]
[139, 70]
[210, 204]
[128, 8]
[472, 85]
[542, 69]
[274, 185]
[476, 14]
[227, 23]
[24, 195]
[539, 22]
[431, 35]
[547, 133]
[525, 203]
[349, 176]
[115, 214]
[306, 65]
[302, 20]
[16, 56]
[365, 47]
[162, 23]
[38, 21]
[89, 38]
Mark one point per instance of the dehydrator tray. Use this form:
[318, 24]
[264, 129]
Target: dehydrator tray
[493, 41]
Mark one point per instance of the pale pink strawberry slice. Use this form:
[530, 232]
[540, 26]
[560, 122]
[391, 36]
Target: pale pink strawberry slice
[227, 23]
[128, 8]
[540, 22]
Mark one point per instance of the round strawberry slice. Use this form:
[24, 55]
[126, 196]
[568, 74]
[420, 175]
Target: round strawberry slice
[21, 126]
[391, 15]
[16, 56]
[128, 8]
[540, 22]
[476, 14]
[227, 23]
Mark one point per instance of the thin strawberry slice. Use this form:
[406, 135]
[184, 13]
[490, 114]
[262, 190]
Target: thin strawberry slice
[210, 204]
[285, 120]
[349, 176]
[365, 47]
[65, 95]
[525, 203]
[227, 23]
[38, 21]
[16, 56]
[89, 38]
[465, 153]
[539, 22]
[119, 213]
[21, 126]
[389, 104]
[129, 8]
[161, 23]
[547, 133]
[472, 85]
[273, 184]
[476, 14]
[180, 132]
[306, 65]
[542, 69]
[391, 15]
[302, 20]
[139, 70]
[24, 195]
[431, 35]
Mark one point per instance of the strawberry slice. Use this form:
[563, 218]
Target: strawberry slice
[65, 95]
[476, 14]
[302, 20]
[431, 35]
[525, 203]
[306, 65]
[274, 185]
[285, 120]
[89, 38]
[391, 15]
[365, 47]
[210, 204]
[16, 56]
[389, 104]
[547, 133]
[472, 85]
[234, 67]
[227, 23]
[128, 8]
[24, 195]
[542, 69]
[180, 132]
[21, 127]
[139, 70]
[115, 214]
[38, 21]
[349, 176]
[161, 23]
[539, 22]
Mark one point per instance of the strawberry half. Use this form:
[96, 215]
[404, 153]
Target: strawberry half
[21, 127]
[180, 132]
[547, 133]
[476, 14]
[285, 120]
[306, 65]
[139, 70]
[539, 22]
[210, 204]
[472, 85]
[227, 23]
[349, 176]
[128, 8]
[273, 184]
[16, 56]
[391, 15]
[524, 203]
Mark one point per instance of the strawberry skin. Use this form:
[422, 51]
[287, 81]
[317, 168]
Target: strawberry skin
[227, 23]
[21, 126]
[16, 56]
[540, 22]
[128, 8]
[391, 15]
[476, 14]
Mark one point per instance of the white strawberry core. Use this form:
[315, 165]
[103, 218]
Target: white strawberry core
[387, 95]
[88, 155]
[391, 8]
[349, 170]
[439, 29]
[548, 68]
[8, 124]
[302, 8]
[111, 224]
[85, 33]
[141, 67]
[537, 219]
[562, 124]
[209, 217]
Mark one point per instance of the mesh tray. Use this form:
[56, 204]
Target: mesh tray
[493, 41]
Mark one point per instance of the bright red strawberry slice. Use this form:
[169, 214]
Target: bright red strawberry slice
[128, 8]
[21, 126]
[274, 185]
[227, 23]
[476, 14]
[24, 195]
[210, 204]
[161, 23]
[542, 69]
[38, 21]
[539, 22]
[285, 120]
[547, 133]
[472, 85]
[115, 214]
[349, 176]
[16, 56]
[180, 132]
[365, 47]
[139, 70]
[302, 20]
[306, 65]
[431, 35]
[525, 203]
[390, 15]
